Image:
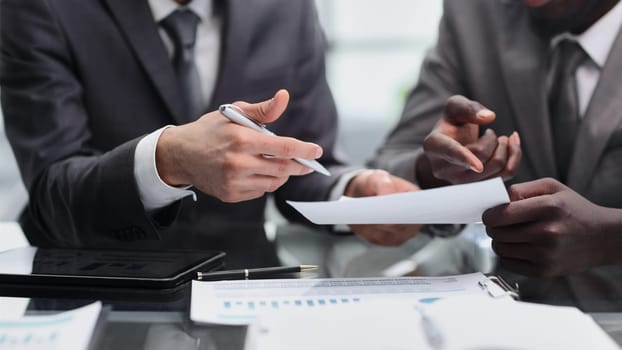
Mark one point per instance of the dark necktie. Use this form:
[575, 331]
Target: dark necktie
[564, 111]
[181, 26]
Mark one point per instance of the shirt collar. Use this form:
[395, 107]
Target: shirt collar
[162, 8]
[598, 40]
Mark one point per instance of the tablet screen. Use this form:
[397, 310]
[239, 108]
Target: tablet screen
[104, 267]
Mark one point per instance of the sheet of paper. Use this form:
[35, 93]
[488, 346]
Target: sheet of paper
[468, 323]
[70, 330]
[376, 326]
[462, 322]
[239, 302]
[459, 204]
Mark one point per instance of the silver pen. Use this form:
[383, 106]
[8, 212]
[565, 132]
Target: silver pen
[235, 114]
[430, 329]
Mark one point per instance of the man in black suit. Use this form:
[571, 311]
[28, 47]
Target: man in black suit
[88, 87]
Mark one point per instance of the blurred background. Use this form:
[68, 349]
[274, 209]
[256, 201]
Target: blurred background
[375, 48]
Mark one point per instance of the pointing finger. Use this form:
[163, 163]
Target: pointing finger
[459, 110]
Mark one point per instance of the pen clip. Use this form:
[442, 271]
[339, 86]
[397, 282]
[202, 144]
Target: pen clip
[505, 288]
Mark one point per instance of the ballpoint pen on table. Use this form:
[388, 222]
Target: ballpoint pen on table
[235, 114]
[253, 273]
[430, 329]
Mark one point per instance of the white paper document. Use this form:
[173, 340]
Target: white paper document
[70, 330]
[377, 326]
[463, 322]
[458, 204]
[239, 302]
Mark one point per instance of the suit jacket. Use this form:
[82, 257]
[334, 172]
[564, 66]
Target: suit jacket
[84, 80]
[487, 51]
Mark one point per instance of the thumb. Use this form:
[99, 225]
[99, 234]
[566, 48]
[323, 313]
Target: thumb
[385, 183]
[266, 111]
[459, 110]
[401, 185]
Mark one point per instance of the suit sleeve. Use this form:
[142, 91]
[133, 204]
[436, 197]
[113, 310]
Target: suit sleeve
[79, 196]
[314, 109]
[440, 77]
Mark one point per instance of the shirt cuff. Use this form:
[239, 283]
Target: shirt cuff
[338, 191]
[154, 193]
[340, 186]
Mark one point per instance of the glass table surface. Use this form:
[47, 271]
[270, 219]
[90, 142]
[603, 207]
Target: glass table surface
[161, 320]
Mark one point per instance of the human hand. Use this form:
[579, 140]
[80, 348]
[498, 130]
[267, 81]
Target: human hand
[550, 230]
[377, 183]
[231, 162]
[454, 153]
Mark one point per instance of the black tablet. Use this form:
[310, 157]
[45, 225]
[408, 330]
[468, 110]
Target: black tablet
[104, 268]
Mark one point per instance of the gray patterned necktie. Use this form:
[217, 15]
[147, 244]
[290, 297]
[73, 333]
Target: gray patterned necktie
[563, 100]
[181, 26]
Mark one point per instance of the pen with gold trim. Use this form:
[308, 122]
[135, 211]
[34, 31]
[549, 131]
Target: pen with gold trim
[253, 273]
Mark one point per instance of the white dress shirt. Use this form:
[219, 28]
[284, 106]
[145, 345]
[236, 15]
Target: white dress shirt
[597, 42]
[155, 193]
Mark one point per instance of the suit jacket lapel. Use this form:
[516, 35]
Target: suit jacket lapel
[524, 57]
[237, 32]
[602, 118]
[136, 22]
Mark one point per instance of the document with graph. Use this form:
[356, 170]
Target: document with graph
[240, 302]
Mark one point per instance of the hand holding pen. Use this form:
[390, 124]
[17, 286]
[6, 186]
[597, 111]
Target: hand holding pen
[236, 115]
[229, 162]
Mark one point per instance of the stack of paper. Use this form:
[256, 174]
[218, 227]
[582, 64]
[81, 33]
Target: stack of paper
[469, 311]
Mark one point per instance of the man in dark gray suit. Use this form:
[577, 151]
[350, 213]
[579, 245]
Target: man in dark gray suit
[89, 86]
[518, 58]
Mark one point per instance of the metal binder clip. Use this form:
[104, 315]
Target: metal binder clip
[500, 289]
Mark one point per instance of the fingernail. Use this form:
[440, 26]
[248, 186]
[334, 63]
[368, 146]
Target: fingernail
[485, 113]
[515, 138]
[475, 169]
[318, 152]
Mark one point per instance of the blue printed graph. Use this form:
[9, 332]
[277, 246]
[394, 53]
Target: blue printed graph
[254, 305]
